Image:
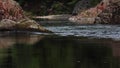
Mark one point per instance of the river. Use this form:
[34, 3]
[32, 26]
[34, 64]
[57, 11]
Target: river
[70, 46]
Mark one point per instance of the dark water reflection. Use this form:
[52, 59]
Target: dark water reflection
[33, 51]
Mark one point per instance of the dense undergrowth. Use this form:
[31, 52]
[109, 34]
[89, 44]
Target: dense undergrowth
[47, 7]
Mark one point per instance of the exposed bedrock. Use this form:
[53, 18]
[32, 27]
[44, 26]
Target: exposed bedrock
[105, 12]
[12, 18]
[22, 25]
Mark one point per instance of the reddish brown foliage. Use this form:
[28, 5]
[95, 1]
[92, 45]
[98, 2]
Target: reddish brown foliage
[9, 9]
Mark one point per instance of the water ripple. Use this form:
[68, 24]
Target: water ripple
[98, 31]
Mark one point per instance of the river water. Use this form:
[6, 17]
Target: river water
[70, 46]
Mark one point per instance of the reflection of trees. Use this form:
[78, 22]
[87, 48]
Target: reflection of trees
[58, 52]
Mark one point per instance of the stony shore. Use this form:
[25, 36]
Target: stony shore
[12, 18]
[106, 12]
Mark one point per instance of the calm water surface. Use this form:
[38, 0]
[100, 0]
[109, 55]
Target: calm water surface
[78, 46]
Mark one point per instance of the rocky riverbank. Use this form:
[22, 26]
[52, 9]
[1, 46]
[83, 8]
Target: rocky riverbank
[21, 25]
[12, 18]
[106, 12]
[111, 14]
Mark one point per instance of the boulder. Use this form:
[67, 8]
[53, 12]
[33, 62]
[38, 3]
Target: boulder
[10, 9]
[23, 25]
[85, 17]
[7, 24]
[12, 18]
[30, 25]
[106, 12]
[111, 14]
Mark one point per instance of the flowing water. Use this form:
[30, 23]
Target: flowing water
[93, 31]
[70, 46]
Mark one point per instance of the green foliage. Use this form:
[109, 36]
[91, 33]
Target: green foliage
[95, 2]
[72, 2]
[48, 7]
